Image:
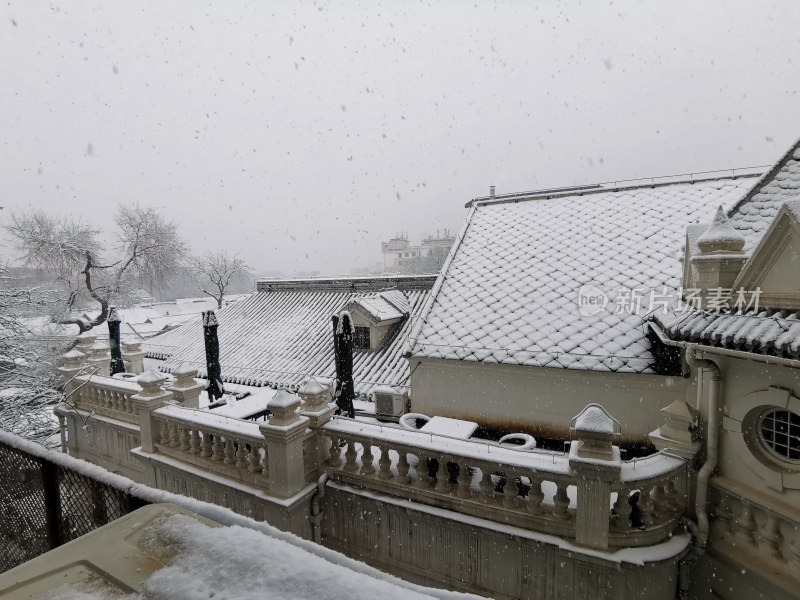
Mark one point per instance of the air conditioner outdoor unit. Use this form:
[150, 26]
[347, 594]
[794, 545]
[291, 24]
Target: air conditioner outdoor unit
[389, 403]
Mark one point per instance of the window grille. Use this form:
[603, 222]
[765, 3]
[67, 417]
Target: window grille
[780, 433]
[361, 338]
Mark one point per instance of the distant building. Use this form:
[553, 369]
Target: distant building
[399, 256]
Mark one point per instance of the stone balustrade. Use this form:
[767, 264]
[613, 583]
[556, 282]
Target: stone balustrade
[105, 396]
[534, 490]
[588, 495]
[230, 447]
[764, 535]
[650, 500]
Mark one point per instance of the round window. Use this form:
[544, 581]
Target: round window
[779, 432]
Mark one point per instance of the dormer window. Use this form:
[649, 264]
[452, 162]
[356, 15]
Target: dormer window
[376, 316]
[361, 338]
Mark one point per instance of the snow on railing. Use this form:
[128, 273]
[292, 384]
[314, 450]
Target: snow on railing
[106, 396]
[533, 490]
[227, 446]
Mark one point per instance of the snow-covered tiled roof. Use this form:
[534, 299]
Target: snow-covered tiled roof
[770, 332]
[279, 338]
[508, 292]
[754, 213]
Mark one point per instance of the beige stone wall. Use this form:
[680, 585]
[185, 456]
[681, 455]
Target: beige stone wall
[746, 386]
[539, 400]
[431, 549]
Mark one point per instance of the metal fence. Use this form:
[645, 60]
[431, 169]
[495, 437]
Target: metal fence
[44, 505]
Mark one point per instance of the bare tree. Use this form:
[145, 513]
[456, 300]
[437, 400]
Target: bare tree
[145, 249]
[216, 273]
[29, 382]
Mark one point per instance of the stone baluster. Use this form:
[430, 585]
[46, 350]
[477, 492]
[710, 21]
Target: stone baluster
[367, 459]
[350, 456]
[385, 463]
[334, 452]
[561, 502]
[671, 496]
[241, 455]
[174, 435]
[185, 439]
[217, 448]
[442, 476]
[463, 481]
[724, 515]
[744, 524]
[645, 505]
[623, 508]
[659, 503]
[230, 451]
[423, 481]
[164, 433]
[535, 496]
[486, 486]
[206, 446]
[768, 537]
[794, 550]
[194, 441]
[265, 465]
[254, 459]
[510, 491]
[403, 467]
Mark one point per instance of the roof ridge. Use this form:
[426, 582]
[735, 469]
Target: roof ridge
[765, 177]
[598, 189]
[437, 286]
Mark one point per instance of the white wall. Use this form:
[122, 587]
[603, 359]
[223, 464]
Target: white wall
[536, 399]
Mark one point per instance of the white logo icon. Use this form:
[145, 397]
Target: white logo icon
[591, 300]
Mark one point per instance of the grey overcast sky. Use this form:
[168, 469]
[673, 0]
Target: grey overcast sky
[301, 134]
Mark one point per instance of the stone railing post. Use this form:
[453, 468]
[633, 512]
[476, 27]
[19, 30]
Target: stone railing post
[284, 434]
[681, 435]
[74, 364]
[133, 356]
[316, 395]
[186, 389]
[596, 463]
[145, 402]
[100, 359]
[681, 431]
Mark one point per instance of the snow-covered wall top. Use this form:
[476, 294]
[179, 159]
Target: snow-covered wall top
[509, 294]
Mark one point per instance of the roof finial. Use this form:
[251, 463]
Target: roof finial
[720, 236]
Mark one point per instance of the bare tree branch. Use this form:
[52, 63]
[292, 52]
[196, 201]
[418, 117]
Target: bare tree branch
[215, 273]
[148, 250]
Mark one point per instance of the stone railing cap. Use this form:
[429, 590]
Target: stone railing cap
[314, 386]
[150, 377]
[185, 370]
[283, 399]
[594, 419]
